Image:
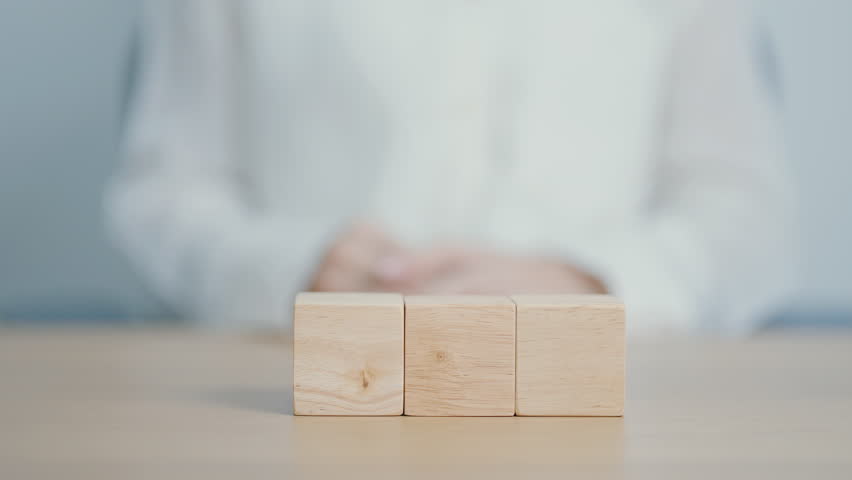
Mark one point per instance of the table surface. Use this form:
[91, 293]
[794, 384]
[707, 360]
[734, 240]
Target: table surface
[170, 403]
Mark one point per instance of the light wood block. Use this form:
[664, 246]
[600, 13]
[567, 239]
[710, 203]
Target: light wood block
[570, 355]
[348, 354]
[459, 355]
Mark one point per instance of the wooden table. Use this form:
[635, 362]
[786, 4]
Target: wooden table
[96, 403]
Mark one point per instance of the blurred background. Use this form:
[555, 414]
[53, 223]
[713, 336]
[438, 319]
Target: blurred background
[65, 70]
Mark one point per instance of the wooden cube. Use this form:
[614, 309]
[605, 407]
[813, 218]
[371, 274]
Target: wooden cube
[459, 355]
[570, 355]
[348, 354]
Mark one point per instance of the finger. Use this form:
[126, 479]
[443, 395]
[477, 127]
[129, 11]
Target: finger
[465, 282]
[411, 269]
[360, 249]
[332, 279]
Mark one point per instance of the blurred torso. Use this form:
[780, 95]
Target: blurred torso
[512, 124]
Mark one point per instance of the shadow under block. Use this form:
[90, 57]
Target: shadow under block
[570, 358]
[459, 356]
[348, 354]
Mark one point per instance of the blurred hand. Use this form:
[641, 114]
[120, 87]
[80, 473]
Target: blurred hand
[354, 262]
[459, 270]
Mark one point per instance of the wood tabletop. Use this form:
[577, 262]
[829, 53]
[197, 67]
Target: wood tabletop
[99, 403]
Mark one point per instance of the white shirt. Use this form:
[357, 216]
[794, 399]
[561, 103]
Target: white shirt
[630, 137]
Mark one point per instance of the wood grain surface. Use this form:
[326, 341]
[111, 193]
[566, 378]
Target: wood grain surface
[137, 403]
[459, 355]
[348, 354]
[570, 355]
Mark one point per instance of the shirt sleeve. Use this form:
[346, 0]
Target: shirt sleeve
[713, 251]
[180, 205]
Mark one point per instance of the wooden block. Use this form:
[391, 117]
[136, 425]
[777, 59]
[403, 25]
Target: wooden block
[459, 355]
[348, 354]
[570, 355]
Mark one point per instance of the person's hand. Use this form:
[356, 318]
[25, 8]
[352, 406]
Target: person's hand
[460, 270]
[355, 261]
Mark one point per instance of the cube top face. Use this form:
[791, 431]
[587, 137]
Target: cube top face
[348, 354]
[460, 356]
[578, 300]
[458, 300]
[570, 356]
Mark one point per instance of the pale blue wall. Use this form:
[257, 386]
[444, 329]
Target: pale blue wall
[814, 40]
[61, 67]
